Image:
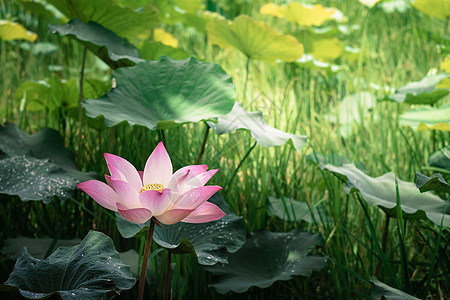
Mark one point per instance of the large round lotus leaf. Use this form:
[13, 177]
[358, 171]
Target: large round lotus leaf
[87, 271]
[14, 31]
[154, 50]
[381, 191]
[422, 118]
[210, 241]
[45, 144]
[292, 210]
[299, 13]
[424, 91]
[433, 183]
[381, 290]
[434, 8]
[267, 257]
[255, 39]
[264, 134]
[36, 167]
[108, 46]
[124, 21]
[165, 93]
[327, 49]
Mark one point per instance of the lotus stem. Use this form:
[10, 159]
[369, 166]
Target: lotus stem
[167, 283]
[148, 244]
[202, 149]
[239, 166]
[247, 69]
[80, 110]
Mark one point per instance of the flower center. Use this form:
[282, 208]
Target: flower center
[152, 187]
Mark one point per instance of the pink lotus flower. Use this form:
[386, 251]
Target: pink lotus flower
[156, 192]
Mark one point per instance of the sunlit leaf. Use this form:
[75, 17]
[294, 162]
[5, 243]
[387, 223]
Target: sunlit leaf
[437, 126]
[429, 116]
[434, 8]
[36, 167]
[421, 92]
[299, 13]
[165, 93]
[10, 31]
[264, 134]
[154, 50]
[162, 36]
[381, 191]
[434, 183]
[327, 49]
[108, 46]
[255, 39]
[292, 210]
[267, 257]
[87, 271]
[124, 21]
[210, 241]
[383, 291]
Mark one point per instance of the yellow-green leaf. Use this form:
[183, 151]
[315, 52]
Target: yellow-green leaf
[255, 39]
[14, 31]
[301, 14]
[434, 8]
[162, 36]
[327, 49]
[439, 126]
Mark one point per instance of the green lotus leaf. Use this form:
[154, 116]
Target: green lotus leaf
[10, 31]
[441, 159]
[35, 94]
[381, 191]
[87, 271]
[255, 39]
[154, 50]
[165, 93]
[13, 293]
[421, 92]
[434, 183]
[210, 241]
[292, 210]
[124, 21]
[41, 8]
[38, 166]
[267, 257]
[423, 117]
[383, 291]
[108, 46]
[264, 134]
[434, 8]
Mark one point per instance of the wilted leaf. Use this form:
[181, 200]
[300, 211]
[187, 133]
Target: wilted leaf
[165, 93]
[14, 31]
[87, 271]
[299, 13]
[108, 46]
[381, 191]
[264, 134]
[434, 183]
[267, 257]
[255, 39]
[383, 291]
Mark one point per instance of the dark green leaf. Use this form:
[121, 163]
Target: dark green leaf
[441, 159]
[434, 183]
[108, 46]
[87, 271]
[267, 257]
[381, 191]
[13, 293]
[264, 134]
[165, 93]
[380, 290]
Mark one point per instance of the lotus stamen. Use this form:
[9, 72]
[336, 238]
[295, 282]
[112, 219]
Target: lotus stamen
[152, 187]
